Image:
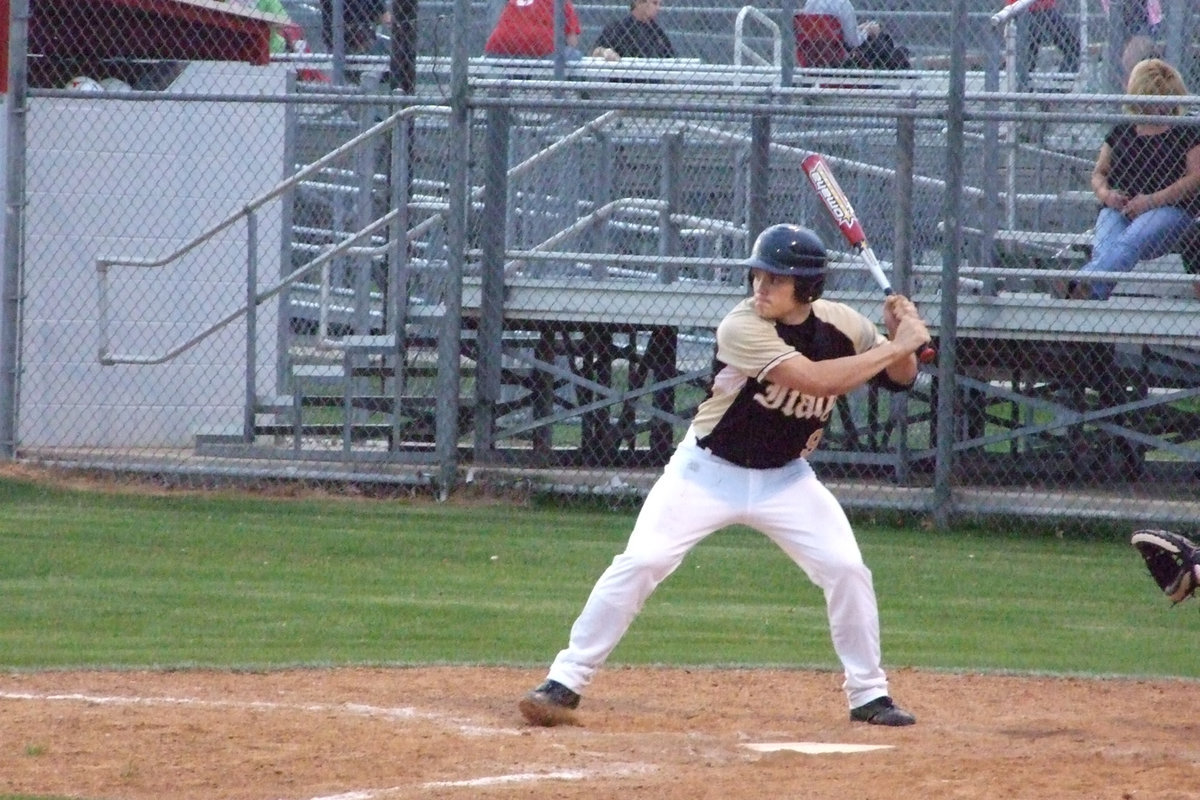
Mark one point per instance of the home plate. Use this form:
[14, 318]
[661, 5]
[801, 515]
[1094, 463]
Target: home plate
[816, 748]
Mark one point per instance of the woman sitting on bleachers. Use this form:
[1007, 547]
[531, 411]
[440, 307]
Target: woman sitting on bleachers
[1147, 179]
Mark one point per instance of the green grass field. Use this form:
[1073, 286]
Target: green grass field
[226, 580]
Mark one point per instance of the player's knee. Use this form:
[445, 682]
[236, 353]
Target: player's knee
[651, 565]
[848, 571]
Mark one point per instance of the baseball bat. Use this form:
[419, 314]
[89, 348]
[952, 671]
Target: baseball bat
[838, 205]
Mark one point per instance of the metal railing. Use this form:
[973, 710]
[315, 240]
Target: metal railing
[254, 295]
[742, 52]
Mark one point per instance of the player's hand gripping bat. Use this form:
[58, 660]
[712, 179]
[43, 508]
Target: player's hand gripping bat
[838, 206]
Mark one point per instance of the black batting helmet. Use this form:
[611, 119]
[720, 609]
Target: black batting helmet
[791, 250]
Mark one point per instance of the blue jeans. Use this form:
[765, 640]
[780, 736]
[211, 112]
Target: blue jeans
[1119, 243]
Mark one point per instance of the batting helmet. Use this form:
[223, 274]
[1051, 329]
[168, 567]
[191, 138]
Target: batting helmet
[792, 250]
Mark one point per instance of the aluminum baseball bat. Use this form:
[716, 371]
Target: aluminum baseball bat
[838, 205]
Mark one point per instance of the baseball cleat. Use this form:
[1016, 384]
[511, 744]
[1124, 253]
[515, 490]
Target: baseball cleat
[882, 711]
[550, 704]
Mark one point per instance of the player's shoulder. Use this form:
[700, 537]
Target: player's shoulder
[746, 304]
[743, 310]
[741, 316]
[847, 321]
[837, 313]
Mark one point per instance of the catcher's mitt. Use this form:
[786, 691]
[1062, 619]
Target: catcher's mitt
[1173, 561]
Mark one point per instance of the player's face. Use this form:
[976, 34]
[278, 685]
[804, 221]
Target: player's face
[775, 298]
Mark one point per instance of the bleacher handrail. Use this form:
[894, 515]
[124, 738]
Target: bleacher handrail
[247, 213]
[1009, 11]
[741, 49]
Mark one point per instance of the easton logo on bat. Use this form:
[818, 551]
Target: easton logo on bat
[834, 199]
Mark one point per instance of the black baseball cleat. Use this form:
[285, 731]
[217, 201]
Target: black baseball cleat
[882, 711]
[550, 704]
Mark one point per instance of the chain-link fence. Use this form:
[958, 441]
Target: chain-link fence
[377, 242]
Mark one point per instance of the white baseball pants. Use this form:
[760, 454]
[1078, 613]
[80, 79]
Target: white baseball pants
[698, 494]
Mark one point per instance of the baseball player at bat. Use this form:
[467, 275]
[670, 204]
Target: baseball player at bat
[783, 357]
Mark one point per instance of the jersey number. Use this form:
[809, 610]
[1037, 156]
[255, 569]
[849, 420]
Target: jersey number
[814, 439]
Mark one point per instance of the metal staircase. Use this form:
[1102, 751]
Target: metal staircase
[348, 362]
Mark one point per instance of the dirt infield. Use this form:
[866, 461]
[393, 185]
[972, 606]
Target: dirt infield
[454, 732]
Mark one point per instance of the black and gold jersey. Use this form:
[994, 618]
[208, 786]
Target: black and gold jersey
[752, 422]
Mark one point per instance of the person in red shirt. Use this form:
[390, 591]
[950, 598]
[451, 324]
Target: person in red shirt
[526, 28]
[1042, 22]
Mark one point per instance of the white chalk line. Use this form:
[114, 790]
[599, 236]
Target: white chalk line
[405, 713]
[519, 777]
[816, 748]
[475, 783]
[496, 780]
[402, 714]
[612, 771]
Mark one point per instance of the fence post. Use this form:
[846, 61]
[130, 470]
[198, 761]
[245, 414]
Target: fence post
[491, 302]
[560, 40]
[449, 374]
[362, 276]
[760, 165]
[951, 253]
[284, 333]
[602, 180]
[906, 138]
[996, 50]
[787, 16]
[337, 32]
[671, 189]
[396, 294]
[14, 228]
[249, 407]
[1118, 34]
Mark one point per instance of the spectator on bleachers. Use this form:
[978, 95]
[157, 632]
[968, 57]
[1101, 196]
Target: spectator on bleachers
[636, 35]
[1139, 47]
[526, 28]
[1147, 179]
[1043, 23]
[360, 19]
[867, 44]
[1135, 16]
[1154, 16]
[1138, 21]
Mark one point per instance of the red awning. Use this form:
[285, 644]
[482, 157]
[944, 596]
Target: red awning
[186, 30]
